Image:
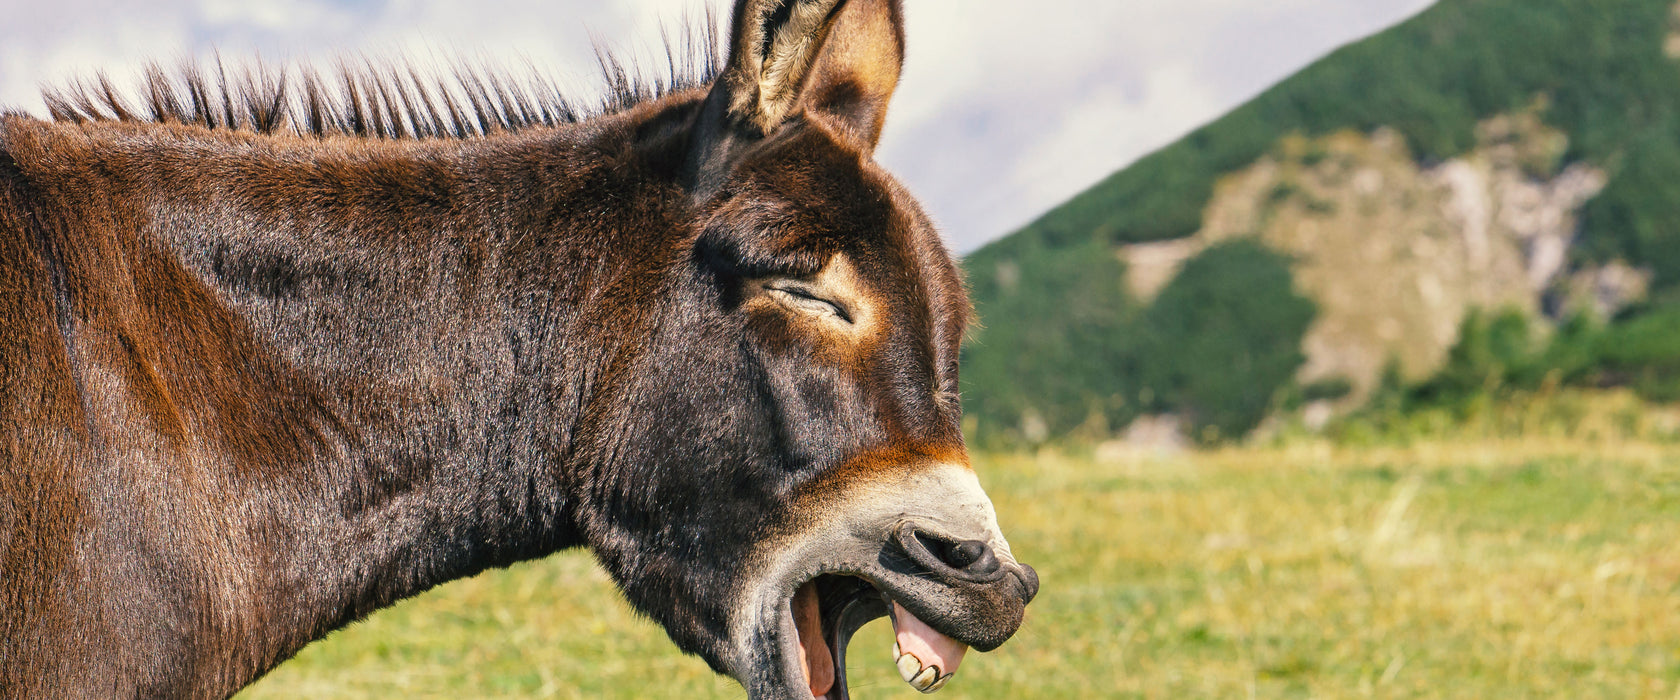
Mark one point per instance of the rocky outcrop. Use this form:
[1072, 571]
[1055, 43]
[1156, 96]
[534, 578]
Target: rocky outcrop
[1671, 46]
[1150, 266]
[1395, 254]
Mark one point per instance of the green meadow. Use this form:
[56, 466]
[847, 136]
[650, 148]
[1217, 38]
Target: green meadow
[1442, 568]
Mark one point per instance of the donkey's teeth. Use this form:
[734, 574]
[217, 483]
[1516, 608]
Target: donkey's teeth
[924, 656]
[908, 665]
[924, 680]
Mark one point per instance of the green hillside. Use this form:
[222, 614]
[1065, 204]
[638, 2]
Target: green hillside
[1064, 348]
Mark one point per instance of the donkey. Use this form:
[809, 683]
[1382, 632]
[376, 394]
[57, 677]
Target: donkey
[273, 356]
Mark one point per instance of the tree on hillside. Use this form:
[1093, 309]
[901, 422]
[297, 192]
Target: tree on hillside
[1224, 337]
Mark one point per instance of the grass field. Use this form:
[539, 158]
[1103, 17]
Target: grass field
[1473, 569]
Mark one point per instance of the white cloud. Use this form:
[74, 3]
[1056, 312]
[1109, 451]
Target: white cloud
[1006, 108]
[1104, 127]
[51, 43]
[277, 16]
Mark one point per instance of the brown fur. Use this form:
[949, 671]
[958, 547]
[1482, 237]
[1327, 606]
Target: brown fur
[270, 361]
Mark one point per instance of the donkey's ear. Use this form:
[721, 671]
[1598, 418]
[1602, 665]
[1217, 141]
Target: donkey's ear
[858, 67]
[839, 58]
[773, 45]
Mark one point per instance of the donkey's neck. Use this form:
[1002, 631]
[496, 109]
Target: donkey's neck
[434, 314]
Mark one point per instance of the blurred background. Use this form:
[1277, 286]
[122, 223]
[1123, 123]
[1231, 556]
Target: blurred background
[1327, 347]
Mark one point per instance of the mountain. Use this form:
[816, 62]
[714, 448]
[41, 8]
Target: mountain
[1353, 227]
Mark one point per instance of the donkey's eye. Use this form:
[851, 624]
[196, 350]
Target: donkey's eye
[803, 298]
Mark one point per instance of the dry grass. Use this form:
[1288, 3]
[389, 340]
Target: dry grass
[1490, 568]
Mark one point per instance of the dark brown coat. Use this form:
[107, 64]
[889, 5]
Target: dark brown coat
[263, 372]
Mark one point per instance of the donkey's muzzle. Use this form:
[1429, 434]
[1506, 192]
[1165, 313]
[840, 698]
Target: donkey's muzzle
[965, 561]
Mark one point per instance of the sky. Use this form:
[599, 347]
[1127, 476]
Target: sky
[1005, 109]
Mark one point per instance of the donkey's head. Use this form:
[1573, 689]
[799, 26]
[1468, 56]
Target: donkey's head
[788, 462]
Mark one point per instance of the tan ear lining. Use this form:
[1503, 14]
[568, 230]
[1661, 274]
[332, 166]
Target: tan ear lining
[838, 60]
[792, 52]
[773, 45]
[839, 56]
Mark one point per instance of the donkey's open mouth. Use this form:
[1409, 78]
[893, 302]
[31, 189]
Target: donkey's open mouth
[830, 608]
[943, 596]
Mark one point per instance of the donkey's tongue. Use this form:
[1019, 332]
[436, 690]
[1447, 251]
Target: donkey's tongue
[926, 659]
[814, 655]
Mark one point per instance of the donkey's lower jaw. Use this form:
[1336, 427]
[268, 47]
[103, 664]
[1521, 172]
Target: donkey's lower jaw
[925, 658]
[828, 609]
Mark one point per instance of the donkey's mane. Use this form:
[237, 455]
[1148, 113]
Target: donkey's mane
[385, 99]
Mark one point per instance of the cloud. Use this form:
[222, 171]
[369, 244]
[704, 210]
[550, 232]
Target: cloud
[1103, 127]
[53, 43]
[1005, 109]
[50, 43]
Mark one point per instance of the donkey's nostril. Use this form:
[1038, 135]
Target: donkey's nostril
[964, 553]
[968, 560]
[971, 556]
